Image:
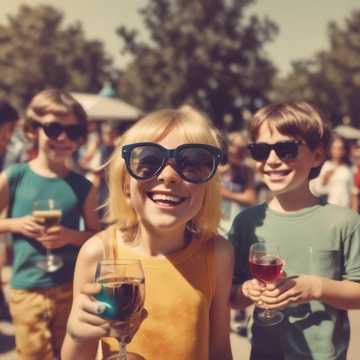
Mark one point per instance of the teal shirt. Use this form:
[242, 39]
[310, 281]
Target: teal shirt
[322, 240]
[69, 193]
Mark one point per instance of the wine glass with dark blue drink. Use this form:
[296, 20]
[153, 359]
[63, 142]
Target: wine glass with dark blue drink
[123, 292]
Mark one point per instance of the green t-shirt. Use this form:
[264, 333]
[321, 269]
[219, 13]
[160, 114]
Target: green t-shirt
[69, 193]
[323, 239]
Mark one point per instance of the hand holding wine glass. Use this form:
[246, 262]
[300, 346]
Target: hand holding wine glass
[47, 213]
[265, 266]
[123, 292]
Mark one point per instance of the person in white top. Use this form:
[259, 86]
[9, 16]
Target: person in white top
[335, 179]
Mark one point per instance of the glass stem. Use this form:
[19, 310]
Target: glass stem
[48, 253]
[122, 350]
[268, 314]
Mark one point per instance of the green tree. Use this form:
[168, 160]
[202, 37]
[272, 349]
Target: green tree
[36, 51]
[332, 78]
[207, 53]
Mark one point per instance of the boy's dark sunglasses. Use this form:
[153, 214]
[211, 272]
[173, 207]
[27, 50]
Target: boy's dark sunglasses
[54, 129]
[195, 163]
[285, 150]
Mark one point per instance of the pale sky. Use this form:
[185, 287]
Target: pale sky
[302, 23]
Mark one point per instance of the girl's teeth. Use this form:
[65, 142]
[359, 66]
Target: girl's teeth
[166, 198]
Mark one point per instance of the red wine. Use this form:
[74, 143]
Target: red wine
[124, 297]
[266, 269]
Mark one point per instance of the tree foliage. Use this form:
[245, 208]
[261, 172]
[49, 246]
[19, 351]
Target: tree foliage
[207, 53]
[332, 78]
[36, 51]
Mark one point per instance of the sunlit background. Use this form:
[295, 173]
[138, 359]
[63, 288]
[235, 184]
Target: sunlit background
[226, 57]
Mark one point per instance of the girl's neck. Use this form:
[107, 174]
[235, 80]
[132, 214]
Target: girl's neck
[43, 166]
[293, 201]
[153, 242]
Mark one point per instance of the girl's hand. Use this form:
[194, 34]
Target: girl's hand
[55, 237]
[293, 290]
[84, 321]
[27, 226]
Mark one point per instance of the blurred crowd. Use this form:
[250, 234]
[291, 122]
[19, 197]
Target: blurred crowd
[338, 182]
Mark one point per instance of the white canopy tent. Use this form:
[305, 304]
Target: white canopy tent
[347, 132]
[101, 108]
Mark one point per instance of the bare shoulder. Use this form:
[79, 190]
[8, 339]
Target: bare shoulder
[93, 248]
[89, 255]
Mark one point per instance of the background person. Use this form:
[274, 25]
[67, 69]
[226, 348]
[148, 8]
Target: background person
[335, 180]
[289, 146]
[8, 119]
[40, 301]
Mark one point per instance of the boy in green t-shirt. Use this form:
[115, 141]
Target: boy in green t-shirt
[40, 296]
[318, 242]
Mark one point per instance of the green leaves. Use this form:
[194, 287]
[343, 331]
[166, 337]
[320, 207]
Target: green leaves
[36, 51]
[332, 78]
[207, 53]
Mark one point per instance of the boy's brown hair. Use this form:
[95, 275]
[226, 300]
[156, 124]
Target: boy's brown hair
[300, 120]
[56, 102]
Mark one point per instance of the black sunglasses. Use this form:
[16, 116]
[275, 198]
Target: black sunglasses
[195, 163]
[285, 150]
[54, 129]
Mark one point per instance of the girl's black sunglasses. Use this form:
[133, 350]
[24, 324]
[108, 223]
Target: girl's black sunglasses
[54, 129]
[195, 163]
[285, 150]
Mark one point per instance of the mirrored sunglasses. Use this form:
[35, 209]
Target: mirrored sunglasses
[195, 163]
[54, 129]
[285, 150]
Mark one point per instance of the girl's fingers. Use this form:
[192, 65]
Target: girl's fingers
[89, 332]
[94, 307]
[92, 319]
[91, 289]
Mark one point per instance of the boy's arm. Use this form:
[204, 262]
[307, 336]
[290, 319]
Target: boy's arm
[92, 223]
[4, 201]
[220, 311]
[25, 225]
[344, 295]
[341, 294]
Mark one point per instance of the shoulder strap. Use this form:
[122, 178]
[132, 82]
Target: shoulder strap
[110, 248]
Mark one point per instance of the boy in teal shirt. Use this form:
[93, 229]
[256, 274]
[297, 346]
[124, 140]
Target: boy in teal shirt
[40, 301]
[319, 243]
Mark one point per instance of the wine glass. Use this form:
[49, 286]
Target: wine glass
[265, 265]
[47, 213]
[123, 291]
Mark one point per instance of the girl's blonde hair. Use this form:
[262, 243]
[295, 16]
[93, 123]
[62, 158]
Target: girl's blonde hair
[191, 126]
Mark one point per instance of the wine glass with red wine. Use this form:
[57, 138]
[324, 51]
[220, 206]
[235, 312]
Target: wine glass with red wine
[123, 291]
[265, 265]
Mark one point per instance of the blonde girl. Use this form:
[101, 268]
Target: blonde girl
[164, 202]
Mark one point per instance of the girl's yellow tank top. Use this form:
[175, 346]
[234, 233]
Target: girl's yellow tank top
[178, 294]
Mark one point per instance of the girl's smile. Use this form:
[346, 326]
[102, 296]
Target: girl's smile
[165, 198]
